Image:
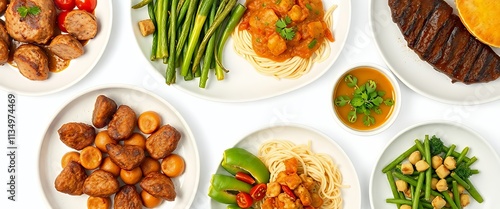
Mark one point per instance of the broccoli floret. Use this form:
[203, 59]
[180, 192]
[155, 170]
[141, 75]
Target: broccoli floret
[436, 145]
[463, 171]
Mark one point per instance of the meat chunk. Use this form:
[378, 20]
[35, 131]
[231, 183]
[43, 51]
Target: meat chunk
[4, 35]
[70, 180]
[76, 135]
[4, 52]
[162, 142]
[303, 194]
[3, 5]
[104, 108]
[66, 47]
[127, 157]
[123, 123]
[147, 27]
[159, 185]
[33, 28]
[100, 184]
[32, 62]
[276, 44]
[81, 24]
[127, 198]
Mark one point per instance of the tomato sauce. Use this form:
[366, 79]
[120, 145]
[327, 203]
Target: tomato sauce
[305, 21]
[383, 84]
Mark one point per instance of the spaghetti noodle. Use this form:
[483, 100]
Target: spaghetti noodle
[293, 67]
[318, 166]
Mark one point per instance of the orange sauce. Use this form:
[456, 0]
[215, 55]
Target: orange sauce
[307, 23]
[383, 84]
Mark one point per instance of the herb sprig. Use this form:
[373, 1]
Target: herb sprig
[286, 33]
[25, 11]
[366, 99]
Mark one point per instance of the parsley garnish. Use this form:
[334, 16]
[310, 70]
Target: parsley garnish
[286, 33]
[25, 11]
[365, 99]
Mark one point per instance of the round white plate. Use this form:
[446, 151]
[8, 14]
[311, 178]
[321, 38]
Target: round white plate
[12, 80]
[488, 162]
[320, 143]
[80, 109]
[418, 74]
[243, 82]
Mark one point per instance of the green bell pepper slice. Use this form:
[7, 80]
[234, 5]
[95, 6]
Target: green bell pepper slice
[224, 188]
[240, 160]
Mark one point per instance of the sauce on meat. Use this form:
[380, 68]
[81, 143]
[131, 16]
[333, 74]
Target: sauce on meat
[305, 20]
[383, 84]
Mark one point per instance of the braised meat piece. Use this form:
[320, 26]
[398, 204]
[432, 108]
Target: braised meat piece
[71, 179]
[127, 157]
[32, 62]
[33, 28]
[66, 47]
[100, 183]
[81, 24]
[104, 108]
[162, 142]
[123, 123]
[77, 135]
[159, 185]
[127, 198]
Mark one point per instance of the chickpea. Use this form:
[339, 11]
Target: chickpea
[70, 156]
[434, 181]
[442, 185]
[109, 166]
[131, 177]
[415, 157]
[149, 165]
[436, 161]
[148, 200]
[98, 203]
[461, 189]
[90, 157]
[450, 163]
[464, 199]
[148, 122]
[407, 168]
[101, 139]
[438, 202]
[442, 171]
[401, 185]
[172, 165]
[405, 207]
[421, 165]
[136, 139]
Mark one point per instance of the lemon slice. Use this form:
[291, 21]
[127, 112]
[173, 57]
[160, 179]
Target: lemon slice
[481, 18]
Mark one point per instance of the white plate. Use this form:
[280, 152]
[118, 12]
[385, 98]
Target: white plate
[418, 74]
[320, 143]
[80, 109]
[488, 162]
[244, 83]
[12, 80]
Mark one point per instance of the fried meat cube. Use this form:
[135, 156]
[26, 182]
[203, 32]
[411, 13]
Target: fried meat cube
[77, 135]
[127, 198]
[104, 108]
[159, 185]
[127, 157]
[70, 180]
[162, 142]
[123, 123]
[100, 183]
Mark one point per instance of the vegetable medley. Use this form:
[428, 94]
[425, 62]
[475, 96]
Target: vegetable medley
[436, 174]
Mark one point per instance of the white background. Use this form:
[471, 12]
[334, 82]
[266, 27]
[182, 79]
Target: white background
[217, 125]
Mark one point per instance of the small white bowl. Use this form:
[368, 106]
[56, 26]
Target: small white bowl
[397, 100]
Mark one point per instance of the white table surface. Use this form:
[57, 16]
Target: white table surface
[217, 125]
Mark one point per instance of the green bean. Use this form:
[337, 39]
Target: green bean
[450, 150]
[407, 202]
[161, 22]
[460, 180]
[170, 72]
[420, 147]
[418, 189]
[456, 154]
[456, 195]
[141, 4]
[471, 161]
[473, 192]
[209, 54]
[449, 199]
[154, 45]
[187, 26]
[399, 159]
[182, 11]
[428, 172]
[462, 155]
[474, 171]
[392, 183]
[412, 182]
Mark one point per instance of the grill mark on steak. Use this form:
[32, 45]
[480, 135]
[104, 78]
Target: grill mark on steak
[439, 38]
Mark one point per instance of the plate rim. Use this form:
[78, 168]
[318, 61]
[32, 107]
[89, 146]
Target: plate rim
[309, 129]
[128, 87]
[160, 78]
[417, 125]
[106, 39]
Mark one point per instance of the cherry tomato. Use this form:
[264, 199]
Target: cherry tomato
[244, 178]
[244, 200]
[60, 20]
[87, 5]
[288, 191]
[65, 5]
[258, 192]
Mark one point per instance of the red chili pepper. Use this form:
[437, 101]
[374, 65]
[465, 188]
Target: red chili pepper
[244, 200]
[288, 191]
[244, 178]
[258, 192]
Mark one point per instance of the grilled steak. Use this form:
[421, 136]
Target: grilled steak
[439, 38]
